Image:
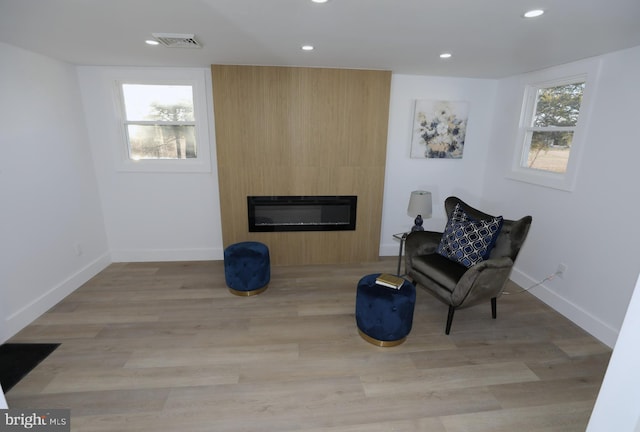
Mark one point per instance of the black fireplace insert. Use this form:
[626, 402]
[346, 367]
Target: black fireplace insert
[302, 213]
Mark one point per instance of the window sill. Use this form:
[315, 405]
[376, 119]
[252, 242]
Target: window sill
[165, 166]
[543, 178]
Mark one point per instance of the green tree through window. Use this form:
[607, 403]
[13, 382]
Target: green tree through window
[550, 133]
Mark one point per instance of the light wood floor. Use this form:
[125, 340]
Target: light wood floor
[165, 347]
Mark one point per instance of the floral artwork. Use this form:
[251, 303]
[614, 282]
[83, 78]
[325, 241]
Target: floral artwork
[439, 129]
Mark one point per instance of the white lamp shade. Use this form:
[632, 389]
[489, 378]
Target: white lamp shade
[420, 204]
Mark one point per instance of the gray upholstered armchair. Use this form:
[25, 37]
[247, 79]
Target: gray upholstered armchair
[456, 284]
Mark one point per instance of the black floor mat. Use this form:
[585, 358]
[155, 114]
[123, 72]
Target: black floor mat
[18, 359]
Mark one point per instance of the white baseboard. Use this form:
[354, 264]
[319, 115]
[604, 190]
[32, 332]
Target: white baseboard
[585, 320]
[27, 314]
[153, 255]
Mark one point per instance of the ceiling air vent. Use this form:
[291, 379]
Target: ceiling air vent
[176, 40]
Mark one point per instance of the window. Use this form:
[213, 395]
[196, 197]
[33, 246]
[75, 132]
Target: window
[164, 120]
[549, 136]
[159, 120]
[553, 125]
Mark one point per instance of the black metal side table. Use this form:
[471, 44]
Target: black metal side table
[402, 237]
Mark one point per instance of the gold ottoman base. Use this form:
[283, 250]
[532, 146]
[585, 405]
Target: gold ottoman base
[379, 342]
[248, 293]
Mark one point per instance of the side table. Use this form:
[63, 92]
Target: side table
[402, 237]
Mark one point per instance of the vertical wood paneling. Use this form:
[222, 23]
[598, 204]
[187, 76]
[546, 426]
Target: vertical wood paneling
[301, 131]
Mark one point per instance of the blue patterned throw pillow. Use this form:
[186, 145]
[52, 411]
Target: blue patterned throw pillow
[467, 240]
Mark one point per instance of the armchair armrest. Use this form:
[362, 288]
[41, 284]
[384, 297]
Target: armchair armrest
[420, 243]
[485, 279]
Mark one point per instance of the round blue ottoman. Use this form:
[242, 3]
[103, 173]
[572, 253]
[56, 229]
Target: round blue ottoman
[384, 315]
[247, 268]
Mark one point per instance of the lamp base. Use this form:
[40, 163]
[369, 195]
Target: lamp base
[418, 224]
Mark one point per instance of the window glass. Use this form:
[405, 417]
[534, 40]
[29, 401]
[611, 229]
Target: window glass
[161, 142]
[558, 106]
[160, 121]
[549, 137]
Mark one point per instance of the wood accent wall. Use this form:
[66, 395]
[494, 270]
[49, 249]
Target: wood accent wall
[302, 131]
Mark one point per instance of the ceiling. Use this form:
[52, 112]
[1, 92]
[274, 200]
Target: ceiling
[488, 38]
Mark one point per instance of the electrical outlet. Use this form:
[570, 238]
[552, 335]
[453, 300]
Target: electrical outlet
[562, 268]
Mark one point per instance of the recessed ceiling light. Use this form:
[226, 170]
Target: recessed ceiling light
[152, 42]
[307, 47]
[319, 1]
[445, 55]
[533, 13]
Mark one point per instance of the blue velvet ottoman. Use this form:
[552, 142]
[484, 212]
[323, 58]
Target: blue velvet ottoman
[384, 315]
[247, 268]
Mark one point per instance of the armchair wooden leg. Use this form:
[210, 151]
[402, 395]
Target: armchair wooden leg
[493, 307]
[449, 319]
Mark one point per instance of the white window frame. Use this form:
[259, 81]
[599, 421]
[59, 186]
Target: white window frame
[585, 71]
[201, 85]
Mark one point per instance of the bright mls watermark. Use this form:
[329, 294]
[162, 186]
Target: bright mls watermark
[42, 420]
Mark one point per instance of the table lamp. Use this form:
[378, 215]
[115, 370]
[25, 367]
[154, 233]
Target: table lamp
[419, 208]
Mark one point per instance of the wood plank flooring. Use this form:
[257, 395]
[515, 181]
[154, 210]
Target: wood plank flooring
[165, 347]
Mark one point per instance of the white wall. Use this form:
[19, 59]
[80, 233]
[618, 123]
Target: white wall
[149, 216]
[442, 177]
[52, 232]
[617, 406]
[592, 229]
[139, 222]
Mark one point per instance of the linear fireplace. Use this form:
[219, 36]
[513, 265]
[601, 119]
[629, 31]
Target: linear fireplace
[301, 213]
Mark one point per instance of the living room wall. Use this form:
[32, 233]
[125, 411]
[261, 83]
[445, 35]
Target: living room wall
[591, 229]
[302, 131]
[149, 216]
[136, 213]
[53, 237]
[442, 177]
